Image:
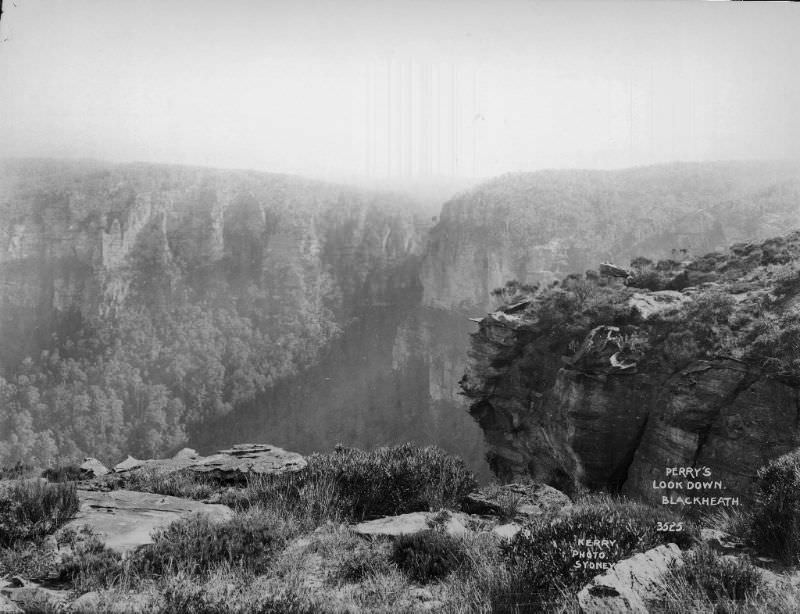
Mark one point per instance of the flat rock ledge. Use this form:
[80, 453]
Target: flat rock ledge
[411, 523]
[124, 519]
[231, 464]
[630, 584]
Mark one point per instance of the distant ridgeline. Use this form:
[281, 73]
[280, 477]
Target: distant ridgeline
[141, 300]
[675, 384]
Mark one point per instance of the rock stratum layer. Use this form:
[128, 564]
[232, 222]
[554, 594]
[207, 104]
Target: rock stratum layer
[592, 382]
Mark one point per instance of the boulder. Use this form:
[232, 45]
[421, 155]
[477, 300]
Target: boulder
[507, 531]
[630, 584]
[232, 464]
[408, 524]
[128, 464]
[93, 468]
[249, 458]
[519, 500]
[124, 519]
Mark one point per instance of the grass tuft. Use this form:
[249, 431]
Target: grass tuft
[30, 509]
[428, 555]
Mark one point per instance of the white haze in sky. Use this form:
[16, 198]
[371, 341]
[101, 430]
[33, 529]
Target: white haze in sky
[409, 89]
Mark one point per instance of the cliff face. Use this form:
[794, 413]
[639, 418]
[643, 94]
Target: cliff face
[538, 227]
[599, 384]
[67, 231]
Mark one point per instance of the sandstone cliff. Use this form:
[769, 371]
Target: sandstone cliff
[67, 231]
[596, 383]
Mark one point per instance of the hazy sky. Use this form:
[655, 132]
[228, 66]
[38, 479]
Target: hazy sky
[407, 88]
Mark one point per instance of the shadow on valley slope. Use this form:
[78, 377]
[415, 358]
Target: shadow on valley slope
[355, 396]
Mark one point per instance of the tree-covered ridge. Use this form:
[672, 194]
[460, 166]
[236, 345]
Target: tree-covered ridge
[541, 226]
[614, 211]
[230, 282]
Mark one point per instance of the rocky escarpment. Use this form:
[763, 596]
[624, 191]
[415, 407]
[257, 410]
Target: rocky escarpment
[597, 383]
[67, 232]
[538, 227]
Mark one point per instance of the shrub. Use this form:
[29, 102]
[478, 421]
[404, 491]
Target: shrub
[17, 471]
[428, 555]
[775, 528]
[183, 483]
[541, 555]
[648, 280]
[31, 509]
[91, 566]
[183, 595]
[197, 544]
[64, 473]
[680, 348]
[721, 578]
[775, 343]
[395, 480]
[304, 501]
[707, 582]
[30, 559]
[357, 564]
[355, 484]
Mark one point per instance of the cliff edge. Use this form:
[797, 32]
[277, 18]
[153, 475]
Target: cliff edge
[603, 382]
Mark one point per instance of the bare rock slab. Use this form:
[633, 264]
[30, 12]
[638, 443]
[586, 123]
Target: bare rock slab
[630, 584]
[526, 500]
[408, 524]
[124, 519]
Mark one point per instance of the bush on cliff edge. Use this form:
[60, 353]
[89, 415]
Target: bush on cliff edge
[775, 526]
[31, 509]
[355, 484]
[542, 558]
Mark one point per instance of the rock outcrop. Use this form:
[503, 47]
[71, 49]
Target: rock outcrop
[521, 501]
[231, 465]
[93, 468]
[408, 524]
[630, 584]
[606, 385]
[124, 520]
